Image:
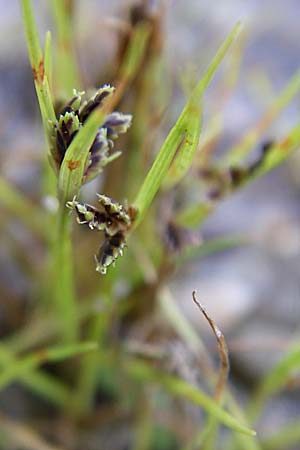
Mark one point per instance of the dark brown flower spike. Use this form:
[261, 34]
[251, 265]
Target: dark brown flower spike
[71, 119]
[109, 251]
[114, 219]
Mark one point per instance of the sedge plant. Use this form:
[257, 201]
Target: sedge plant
[91, 312]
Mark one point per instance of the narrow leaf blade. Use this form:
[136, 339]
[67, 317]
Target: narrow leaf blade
[183, 138]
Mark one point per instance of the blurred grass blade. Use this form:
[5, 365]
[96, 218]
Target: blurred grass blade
[39, 382]
[277, 378]
[23, 366]
[66, 68]
[276, 155]
[193, 215]
[176, 318]
[38, 68]
[250, 139]
[67, 351]
[286, 437]
[181, 137]
[135, 52]
[178, 387]
[23, 209]
[279, 153]
[238, 441]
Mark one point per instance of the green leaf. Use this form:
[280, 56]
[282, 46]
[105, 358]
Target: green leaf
[33, 42]
[39, 74]
[178, 387]
[135, 52]
[183, 138]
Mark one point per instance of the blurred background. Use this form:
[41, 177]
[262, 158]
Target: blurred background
[250, 285]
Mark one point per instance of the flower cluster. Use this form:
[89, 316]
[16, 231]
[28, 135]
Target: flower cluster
[74, 115]
[113, 219]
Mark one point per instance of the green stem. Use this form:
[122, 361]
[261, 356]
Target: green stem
[63, 271]
[87, 380]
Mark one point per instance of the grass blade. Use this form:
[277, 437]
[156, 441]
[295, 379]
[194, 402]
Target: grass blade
[23, 366]
[169, 309]
[39, 382]
[186, 150]
[72, 168]
[278, 153]
[135, 52]
[278, 376]
[181, 137]
[287, 437]
[63, 277]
